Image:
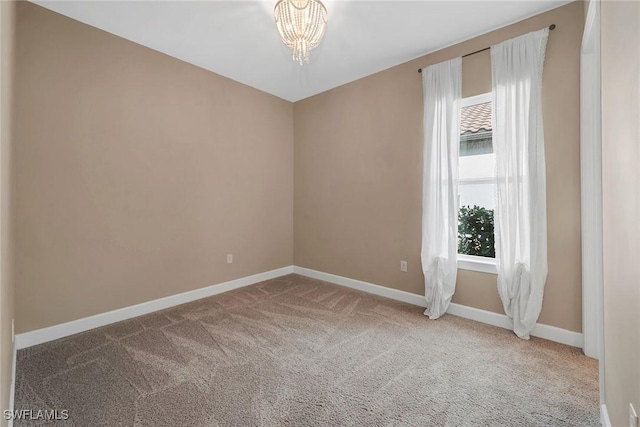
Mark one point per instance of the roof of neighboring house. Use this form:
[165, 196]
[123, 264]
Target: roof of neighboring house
[475, 118]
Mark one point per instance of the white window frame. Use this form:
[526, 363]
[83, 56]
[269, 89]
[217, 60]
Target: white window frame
[473, 262]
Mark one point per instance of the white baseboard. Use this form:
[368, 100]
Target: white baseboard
[12, 388]
[550, 333]
[604, 416]
[39, 336]
[395, 294]
[51, 333]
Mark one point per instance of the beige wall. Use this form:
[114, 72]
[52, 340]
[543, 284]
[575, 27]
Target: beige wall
[7, 19]
[137, 173]
[129, 193]
[620, 26]
[358, 151]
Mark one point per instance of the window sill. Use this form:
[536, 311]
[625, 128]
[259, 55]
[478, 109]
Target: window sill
[476, 263]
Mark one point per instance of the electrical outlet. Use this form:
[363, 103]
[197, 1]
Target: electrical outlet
[403, 266]
[229, 258]
[633, 417]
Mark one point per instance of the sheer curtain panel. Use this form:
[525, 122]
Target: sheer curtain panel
[521, 206]
[442, 88]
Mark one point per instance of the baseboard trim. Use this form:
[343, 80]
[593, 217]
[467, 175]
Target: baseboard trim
[39, 336]
[548, 332]
[383, 291]
[12, 387]
[604, 416]
[51, 333]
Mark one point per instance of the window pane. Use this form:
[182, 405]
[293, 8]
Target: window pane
[481, 194]
[475, 220]
[477, 166]
[477, 159]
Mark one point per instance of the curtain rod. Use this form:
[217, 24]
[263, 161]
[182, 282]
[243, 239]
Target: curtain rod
[551, 27]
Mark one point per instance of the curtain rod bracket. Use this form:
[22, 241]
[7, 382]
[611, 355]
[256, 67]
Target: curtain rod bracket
[551, 28]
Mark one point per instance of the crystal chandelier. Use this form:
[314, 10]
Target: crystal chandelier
[301, 24]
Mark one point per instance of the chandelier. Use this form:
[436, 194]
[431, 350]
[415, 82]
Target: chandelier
[301, 24]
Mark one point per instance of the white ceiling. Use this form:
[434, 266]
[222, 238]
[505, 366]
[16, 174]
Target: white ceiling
[238, 39]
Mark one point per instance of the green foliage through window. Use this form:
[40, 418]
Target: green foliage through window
[475, 231]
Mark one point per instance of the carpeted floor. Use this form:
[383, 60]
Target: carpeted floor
[299, 352]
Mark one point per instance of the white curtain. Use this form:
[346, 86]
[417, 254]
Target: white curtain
[521, 208]
[442, 87]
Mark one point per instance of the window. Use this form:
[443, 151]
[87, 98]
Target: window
[476, 187]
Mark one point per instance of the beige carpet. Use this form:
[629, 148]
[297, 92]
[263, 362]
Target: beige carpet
[299, 352]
